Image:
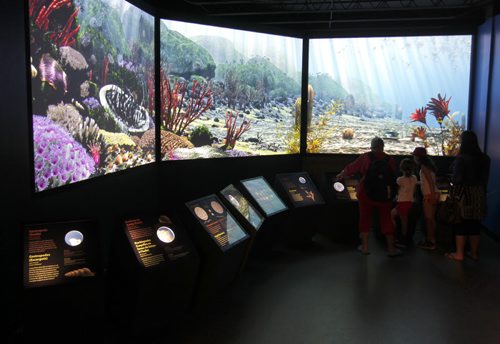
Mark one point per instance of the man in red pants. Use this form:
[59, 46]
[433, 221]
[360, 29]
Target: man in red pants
[370, 200]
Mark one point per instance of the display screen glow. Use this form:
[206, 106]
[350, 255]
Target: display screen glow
[228, 93]
[410, 91]
[264, 195]
[92, 79]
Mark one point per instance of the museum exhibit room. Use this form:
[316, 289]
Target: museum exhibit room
[250, 172]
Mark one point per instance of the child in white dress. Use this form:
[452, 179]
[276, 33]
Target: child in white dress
[405, 198]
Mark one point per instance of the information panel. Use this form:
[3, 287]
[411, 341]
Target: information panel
[217, 221]
[264, 195]
[300, 189]
[345, 189]
[62, 252]
[156, 240]
[246, 209]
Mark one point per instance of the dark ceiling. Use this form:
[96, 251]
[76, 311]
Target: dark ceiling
[336, 17]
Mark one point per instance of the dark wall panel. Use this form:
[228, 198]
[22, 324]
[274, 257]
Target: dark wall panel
[481, 80]
[493, 136]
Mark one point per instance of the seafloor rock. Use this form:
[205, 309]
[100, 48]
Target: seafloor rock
[119, 139]
[169, 141]
[204, 152]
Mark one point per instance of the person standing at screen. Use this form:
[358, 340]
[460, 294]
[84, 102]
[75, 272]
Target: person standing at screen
[471, 170]
[405, 198]
[374, 192]
[430, 195]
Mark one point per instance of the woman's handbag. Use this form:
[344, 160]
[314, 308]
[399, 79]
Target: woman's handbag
[450, 212]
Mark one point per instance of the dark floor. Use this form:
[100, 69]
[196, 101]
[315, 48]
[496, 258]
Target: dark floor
[330, 293]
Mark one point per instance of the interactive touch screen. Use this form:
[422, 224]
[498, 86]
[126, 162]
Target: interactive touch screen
[300, 189]
[155, 240]
[410, 91]
[217, 221]
[243, 206]
[56, 253]
[264, 195]
[228, 93]
[92, 86]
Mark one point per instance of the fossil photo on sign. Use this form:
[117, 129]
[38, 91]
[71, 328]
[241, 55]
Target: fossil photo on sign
[338, 186]
[217, 207]
[73, 238]
[165, 234]
[234, 201]
[201, 213]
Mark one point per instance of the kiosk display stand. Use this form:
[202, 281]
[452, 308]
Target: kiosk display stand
[247, 215]
[153, 274]
[299, 189]
[62, 276]
[302, 195]
[269, 203]
[340, 222]
[264, 196]
[222, 243]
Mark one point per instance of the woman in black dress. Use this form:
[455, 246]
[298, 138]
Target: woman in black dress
[470, 179]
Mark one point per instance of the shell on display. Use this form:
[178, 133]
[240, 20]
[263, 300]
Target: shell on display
[52, 73]
[129, 116]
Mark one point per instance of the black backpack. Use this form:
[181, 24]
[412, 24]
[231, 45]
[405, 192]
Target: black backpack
[380, 180]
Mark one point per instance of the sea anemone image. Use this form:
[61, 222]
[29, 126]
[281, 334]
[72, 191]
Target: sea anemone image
[419, 115]
[439, 107]
[59, 158]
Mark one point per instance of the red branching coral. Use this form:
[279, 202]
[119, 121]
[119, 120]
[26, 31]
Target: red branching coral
[41, 14]
[178, 109]
[439, 107]
[419, 132]
[234, 134]
[66, 37]
[419, 115]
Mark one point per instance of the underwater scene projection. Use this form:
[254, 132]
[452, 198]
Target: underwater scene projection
[228, 93]
[410, 91]
[92, 70]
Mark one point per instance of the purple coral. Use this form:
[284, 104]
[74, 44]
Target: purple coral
[91, 103]
[59, 159]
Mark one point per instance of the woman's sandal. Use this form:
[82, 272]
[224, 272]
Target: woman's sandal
[452, 256]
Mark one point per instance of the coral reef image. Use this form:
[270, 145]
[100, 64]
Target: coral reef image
[91, 61]
[225, 92]
[410, 91]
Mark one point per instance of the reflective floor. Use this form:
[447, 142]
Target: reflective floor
[331, 293]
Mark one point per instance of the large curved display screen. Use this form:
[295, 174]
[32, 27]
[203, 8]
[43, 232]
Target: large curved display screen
[410, 91]
[92, 85]
[228, 93]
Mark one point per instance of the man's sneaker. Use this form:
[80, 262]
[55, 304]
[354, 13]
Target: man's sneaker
[427, 245]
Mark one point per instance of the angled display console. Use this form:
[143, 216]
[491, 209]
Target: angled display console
[342, 190]
[157, 240]
[219, 224]
[299, 189]
[234, 197]
[264, 195]
[60, 252]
